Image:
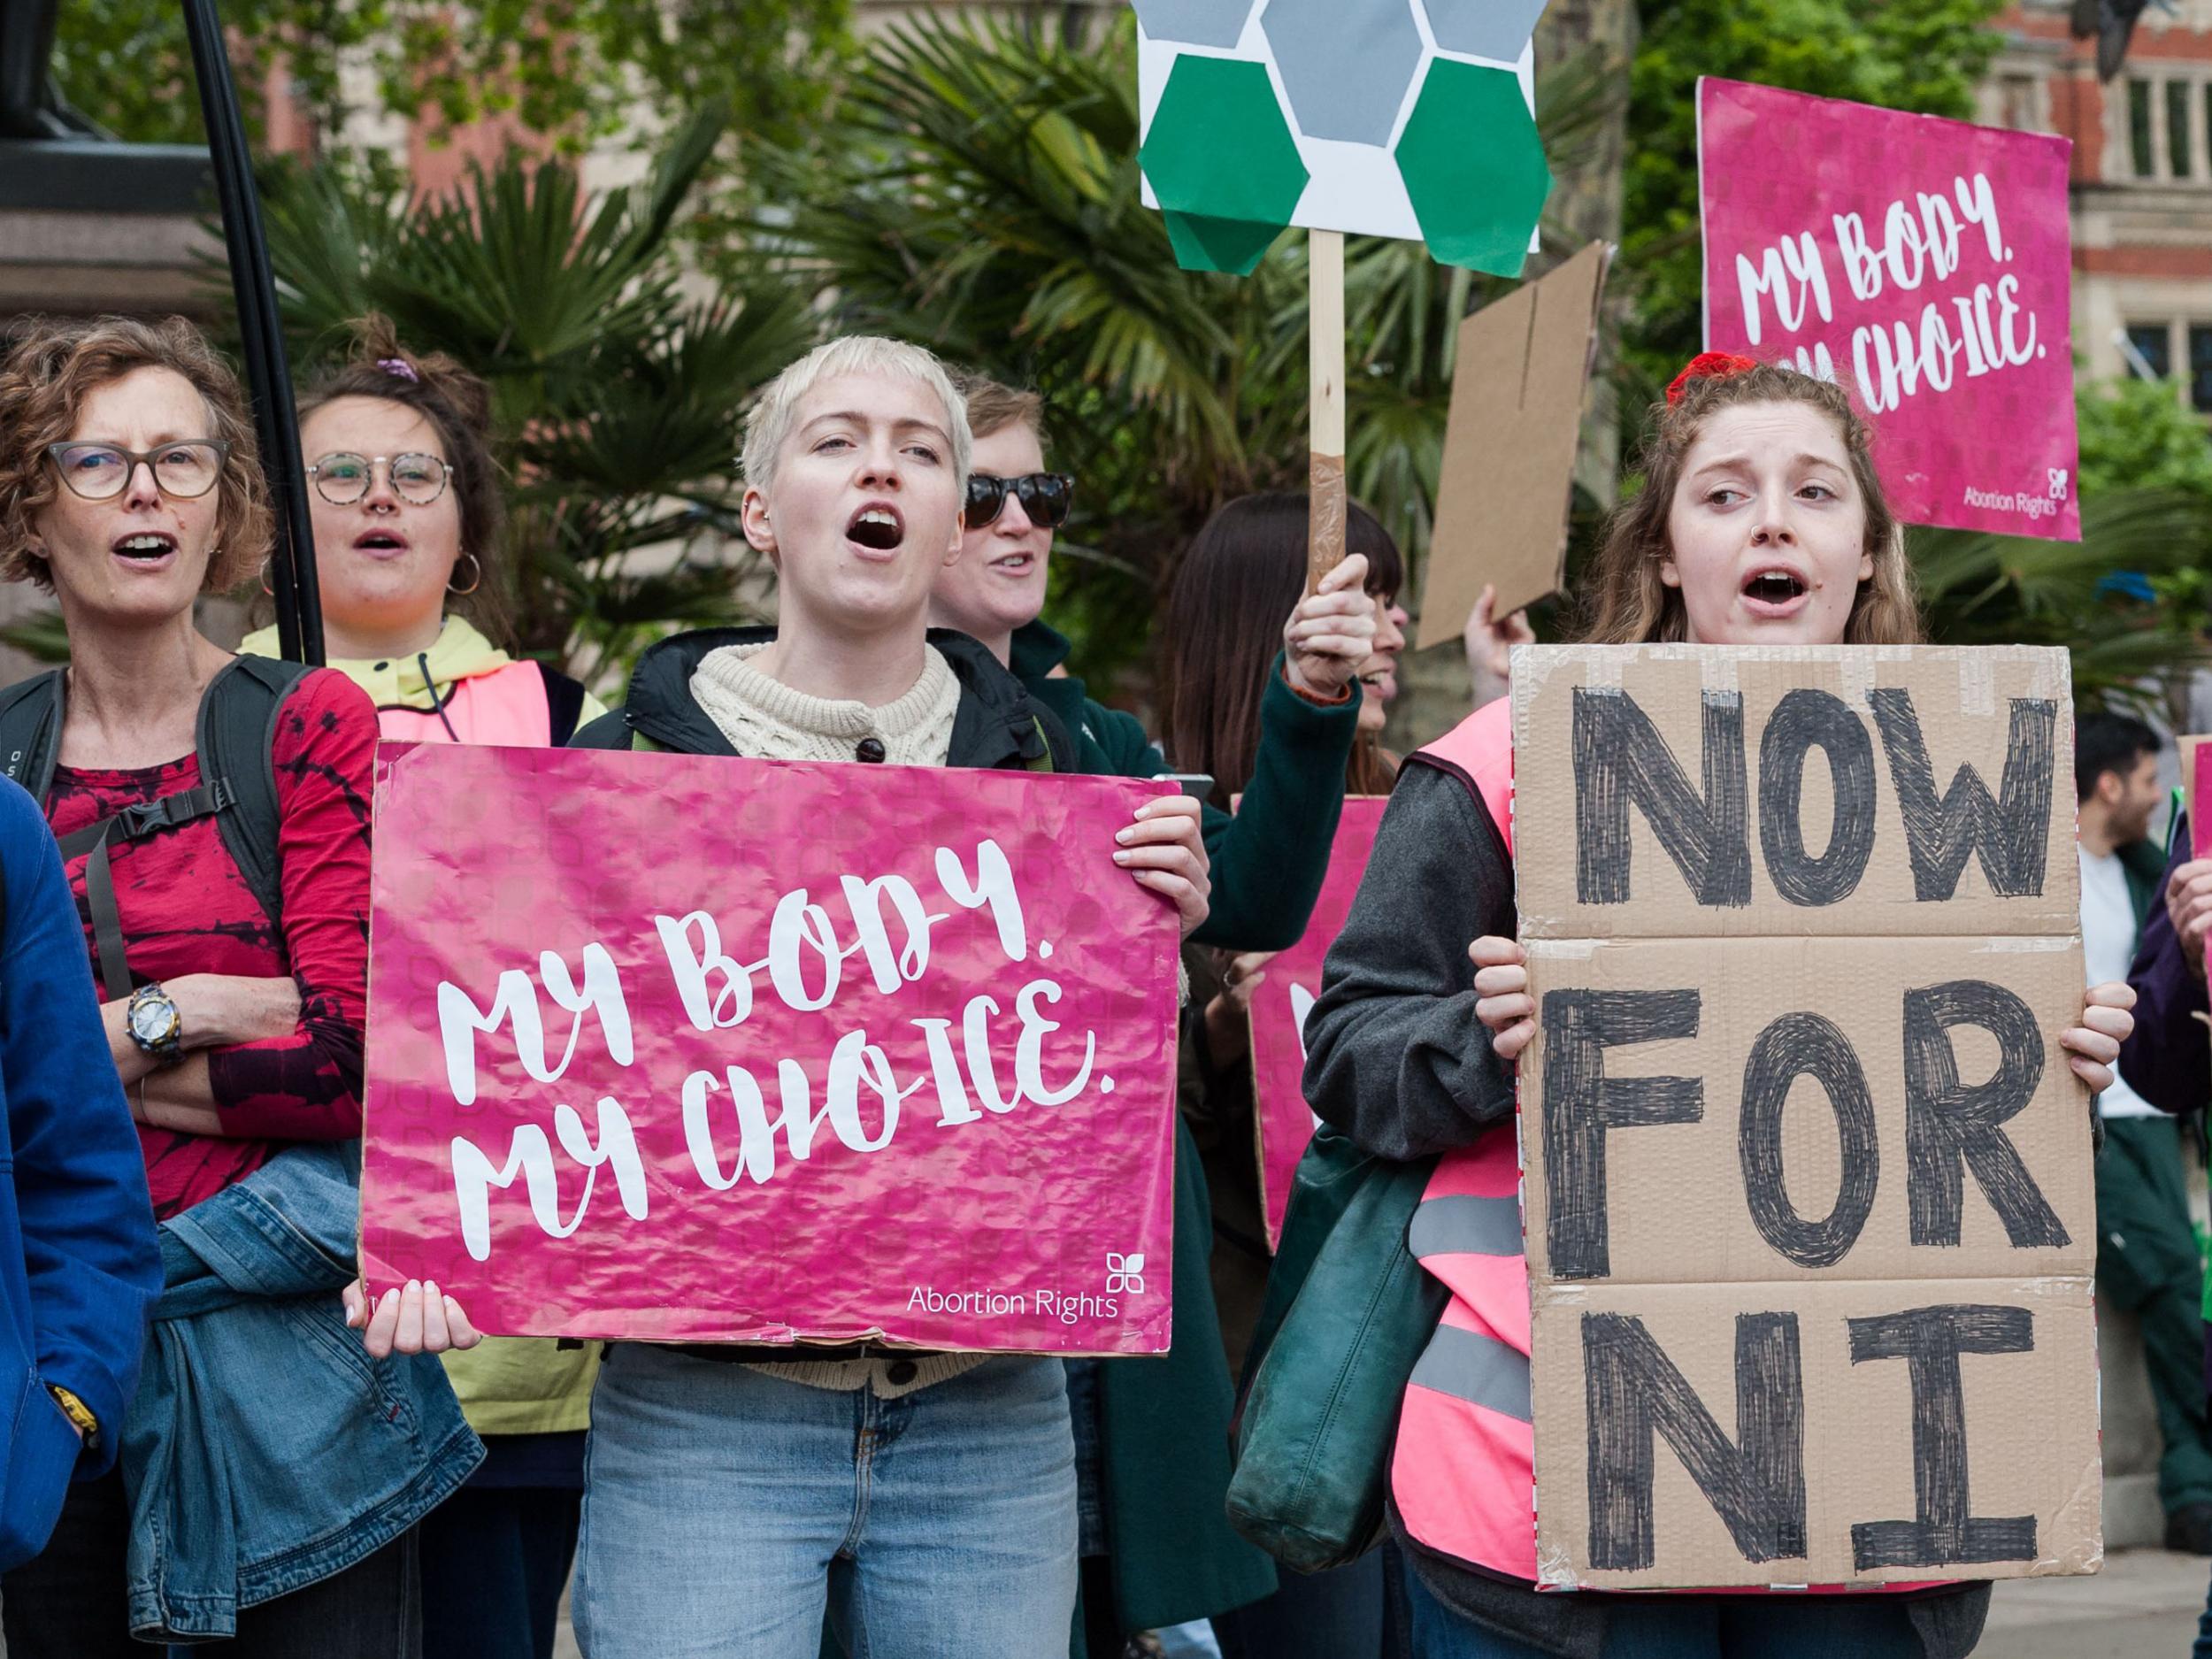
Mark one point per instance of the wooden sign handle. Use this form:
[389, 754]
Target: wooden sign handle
[1324, 265]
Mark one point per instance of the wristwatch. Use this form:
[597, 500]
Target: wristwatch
[154, 1026]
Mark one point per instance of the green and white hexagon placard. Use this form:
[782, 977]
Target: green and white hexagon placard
[1412, 118]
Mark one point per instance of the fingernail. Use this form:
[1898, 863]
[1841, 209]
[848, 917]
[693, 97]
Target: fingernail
[1121, 858]
[429, 1286]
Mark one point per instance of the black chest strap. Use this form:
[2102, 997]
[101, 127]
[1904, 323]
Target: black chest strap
[131, 823]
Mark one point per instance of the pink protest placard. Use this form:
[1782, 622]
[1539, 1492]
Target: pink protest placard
[1281, 1120]
[697, 1049]
[1927, 264]
[2199, 750]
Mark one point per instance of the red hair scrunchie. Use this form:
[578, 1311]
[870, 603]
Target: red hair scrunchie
[1707, 366]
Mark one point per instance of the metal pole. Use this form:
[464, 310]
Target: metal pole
[299, 613]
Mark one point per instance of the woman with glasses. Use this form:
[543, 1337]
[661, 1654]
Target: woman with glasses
[1152, 1435]
[408, 516]
[269, 1481]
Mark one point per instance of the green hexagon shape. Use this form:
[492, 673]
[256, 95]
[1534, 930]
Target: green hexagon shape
[1474, 168]
[1223, 162]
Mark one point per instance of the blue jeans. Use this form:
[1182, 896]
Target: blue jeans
[2202, 1648]
[1694, 1627]
[726, 1511]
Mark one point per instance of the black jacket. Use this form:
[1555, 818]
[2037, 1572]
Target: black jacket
[998, 725]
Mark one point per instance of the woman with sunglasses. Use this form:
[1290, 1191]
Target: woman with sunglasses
[270, 1481]
[407, 514]
[1152, 1435]
[408, 517]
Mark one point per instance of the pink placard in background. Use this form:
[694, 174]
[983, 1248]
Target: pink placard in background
[1281, 1119]
[2201, 808]
[1927, 264]
[696, 1049]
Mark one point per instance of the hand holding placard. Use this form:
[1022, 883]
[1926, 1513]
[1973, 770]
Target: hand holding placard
[695, 1048]
[1807, 1186]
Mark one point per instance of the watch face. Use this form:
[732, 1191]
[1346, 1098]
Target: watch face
[153, 1019]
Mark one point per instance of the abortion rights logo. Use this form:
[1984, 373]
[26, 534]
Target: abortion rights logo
[1124, 1274]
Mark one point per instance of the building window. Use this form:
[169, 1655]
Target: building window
[2154, 343]
[2016, 103]
[2141, 153]
[2201, 367]
[2179, 151]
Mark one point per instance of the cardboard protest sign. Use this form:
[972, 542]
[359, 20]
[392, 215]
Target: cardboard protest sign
[1927, 262]
[1282, 1122]
[696, 1049]
[1517, 383]
[1807, 1178]
[1379, 117]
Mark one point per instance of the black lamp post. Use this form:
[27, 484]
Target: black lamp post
[299, 613]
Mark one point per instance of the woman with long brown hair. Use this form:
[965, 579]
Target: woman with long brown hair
[1245, 571]
[1760, 521]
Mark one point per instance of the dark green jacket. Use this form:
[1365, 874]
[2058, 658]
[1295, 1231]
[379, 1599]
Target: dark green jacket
[1267, 860]
[1164, 1422]
[2144, 864]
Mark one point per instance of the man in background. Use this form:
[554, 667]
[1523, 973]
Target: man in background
[2147, 1255]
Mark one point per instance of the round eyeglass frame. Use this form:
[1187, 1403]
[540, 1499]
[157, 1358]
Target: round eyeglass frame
[368, 478]
[134, 459]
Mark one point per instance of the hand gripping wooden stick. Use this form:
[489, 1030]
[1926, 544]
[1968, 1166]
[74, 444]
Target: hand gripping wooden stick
[1324, 543]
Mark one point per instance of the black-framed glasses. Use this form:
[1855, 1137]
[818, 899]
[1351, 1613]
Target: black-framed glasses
[344, 478]
[1046, 497]
[184, 471]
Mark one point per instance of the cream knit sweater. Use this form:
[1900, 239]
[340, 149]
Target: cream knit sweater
[767, 720]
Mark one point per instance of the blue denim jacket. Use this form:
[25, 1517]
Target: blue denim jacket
[265, 1451]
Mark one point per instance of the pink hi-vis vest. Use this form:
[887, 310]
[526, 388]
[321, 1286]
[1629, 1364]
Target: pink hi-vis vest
[1464, 1472]
[505, 708]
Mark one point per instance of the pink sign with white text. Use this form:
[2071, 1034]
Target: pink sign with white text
[1928, 266]
[1282, 1121]
[695, 1048]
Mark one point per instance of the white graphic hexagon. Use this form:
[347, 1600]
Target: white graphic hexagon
[1346, 63]
[1495, 30]
[1194, 22]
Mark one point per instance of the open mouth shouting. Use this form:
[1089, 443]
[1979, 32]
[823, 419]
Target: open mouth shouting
[1775, 590]
[878, 528]
[381, 543]
[150, 550]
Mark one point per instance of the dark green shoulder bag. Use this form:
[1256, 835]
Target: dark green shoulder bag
[1348, 1314]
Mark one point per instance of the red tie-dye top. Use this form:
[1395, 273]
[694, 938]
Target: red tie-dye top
[186, 909]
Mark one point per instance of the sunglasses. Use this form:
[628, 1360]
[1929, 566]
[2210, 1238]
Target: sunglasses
[1045, 498]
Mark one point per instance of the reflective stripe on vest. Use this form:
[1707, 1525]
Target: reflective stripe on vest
[1464, 1471]
[506, 707]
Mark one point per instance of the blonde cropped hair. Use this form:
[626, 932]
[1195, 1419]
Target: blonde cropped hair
[49, 367]
[773, 416]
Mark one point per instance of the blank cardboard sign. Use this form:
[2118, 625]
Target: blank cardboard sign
[1509, 449]
[1808, 1182]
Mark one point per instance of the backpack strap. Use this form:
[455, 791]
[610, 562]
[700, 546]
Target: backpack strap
[236, 740]
[30, 733]
[564, 703]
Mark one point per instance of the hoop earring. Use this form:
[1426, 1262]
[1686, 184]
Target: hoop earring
[262, 576]
[476, 578]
